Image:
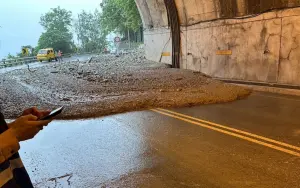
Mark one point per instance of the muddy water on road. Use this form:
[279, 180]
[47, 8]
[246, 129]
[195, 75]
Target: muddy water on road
[84, 153]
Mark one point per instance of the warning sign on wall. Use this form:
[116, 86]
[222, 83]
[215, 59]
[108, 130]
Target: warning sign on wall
[224, 52]
[166, 54]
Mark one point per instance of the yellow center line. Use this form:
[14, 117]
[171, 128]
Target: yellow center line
[233, 129]
[230, 133]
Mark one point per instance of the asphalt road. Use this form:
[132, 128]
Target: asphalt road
[253, 142]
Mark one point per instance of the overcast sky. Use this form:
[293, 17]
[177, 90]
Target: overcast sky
[19, 20]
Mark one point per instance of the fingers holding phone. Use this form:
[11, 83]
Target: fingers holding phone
[36, 112]
[26, 127]
[32, 121]
[53, 114]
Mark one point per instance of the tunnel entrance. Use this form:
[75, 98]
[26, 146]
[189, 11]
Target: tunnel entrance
[244, 40]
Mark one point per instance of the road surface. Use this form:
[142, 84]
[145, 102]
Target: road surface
[253, 142]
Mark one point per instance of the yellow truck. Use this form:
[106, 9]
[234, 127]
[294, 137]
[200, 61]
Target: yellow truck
[47, 54]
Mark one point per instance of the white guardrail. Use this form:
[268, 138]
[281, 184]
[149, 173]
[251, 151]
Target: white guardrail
[17, 61]
[25, 60]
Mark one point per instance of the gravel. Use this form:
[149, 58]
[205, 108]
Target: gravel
[107, 85]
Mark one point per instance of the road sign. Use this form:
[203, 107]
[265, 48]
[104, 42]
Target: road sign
[117, 39]
[25, 51]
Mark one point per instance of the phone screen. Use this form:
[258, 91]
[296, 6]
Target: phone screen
[53, 113]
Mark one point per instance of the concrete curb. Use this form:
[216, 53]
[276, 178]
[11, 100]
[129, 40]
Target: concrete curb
[284, 91]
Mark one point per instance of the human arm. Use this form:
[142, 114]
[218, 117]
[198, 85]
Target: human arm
[9, 145]
[23, 128]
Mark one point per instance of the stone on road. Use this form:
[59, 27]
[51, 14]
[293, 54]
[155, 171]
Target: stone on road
[109, 85]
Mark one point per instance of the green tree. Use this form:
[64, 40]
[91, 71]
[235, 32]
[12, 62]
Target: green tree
[57, 25]
[88, 30]
[120, 15]
[10, 56]
[57, 40]
[57, 18]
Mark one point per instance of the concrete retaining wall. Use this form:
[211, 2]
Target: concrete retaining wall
[158, 45]
[264, 48]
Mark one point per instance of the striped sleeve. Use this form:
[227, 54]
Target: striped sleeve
[9, 145]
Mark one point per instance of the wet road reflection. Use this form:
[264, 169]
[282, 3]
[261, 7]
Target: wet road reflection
[148, 149]
[92, 151]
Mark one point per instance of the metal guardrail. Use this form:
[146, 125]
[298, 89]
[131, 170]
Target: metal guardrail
[25, 60]
[17, 61]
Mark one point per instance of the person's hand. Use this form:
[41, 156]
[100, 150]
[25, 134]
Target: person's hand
[34, 111]
[26, 127]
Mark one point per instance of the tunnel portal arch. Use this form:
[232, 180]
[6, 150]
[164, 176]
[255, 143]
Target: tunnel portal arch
[243, 40]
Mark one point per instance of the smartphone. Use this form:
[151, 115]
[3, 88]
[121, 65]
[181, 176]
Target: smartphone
[53, 113]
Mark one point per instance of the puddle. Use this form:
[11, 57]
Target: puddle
[94, 150]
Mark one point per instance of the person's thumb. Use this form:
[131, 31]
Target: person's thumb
[31, 117]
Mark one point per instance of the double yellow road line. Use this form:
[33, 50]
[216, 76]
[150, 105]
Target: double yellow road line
[274, 144]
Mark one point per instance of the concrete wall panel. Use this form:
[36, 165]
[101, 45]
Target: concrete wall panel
[158, 13]
[197, 10]
[254, 46]
[156, 42]
[153, 13]
[289, 72]
[206, 10]
[157, 34]
[145, 13]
